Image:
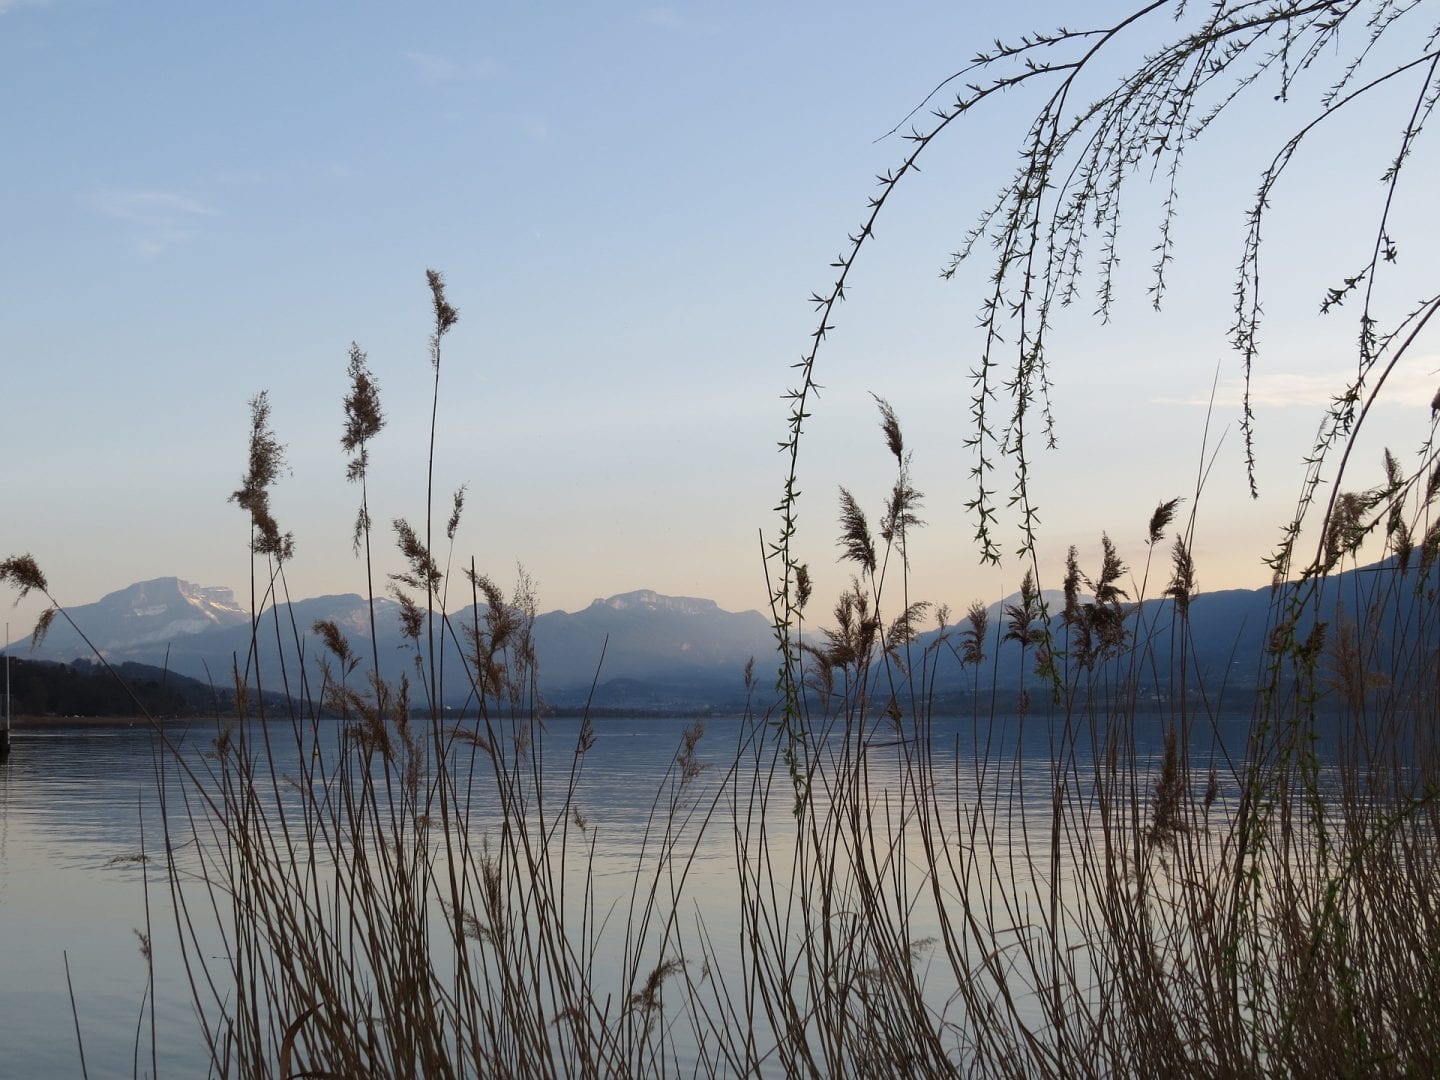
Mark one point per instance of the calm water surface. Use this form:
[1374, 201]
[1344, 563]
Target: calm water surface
[79, 805]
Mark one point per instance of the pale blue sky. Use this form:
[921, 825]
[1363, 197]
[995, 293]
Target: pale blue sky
[631, 204]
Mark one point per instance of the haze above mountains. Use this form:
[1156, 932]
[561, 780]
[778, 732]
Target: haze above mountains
[642, 650]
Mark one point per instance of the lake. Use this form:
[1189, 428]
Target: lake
[79, 805]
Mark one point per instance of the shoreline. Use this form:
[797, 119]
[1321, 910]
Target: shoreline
[41, 723]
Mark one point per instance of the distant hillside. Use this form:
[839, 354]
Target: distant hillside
[1229, 635]
[43, 688]
[655, 648]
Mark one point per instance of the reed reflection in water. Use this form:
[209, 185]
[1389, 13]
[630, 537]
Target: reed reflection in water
[73, 802]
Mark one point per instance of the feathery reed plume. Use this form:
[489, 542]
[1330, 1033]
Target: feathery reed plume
[851, 641]
[457, 504]
[267, 459]
[900, 516]
[494, 598]
[903, 631]
[1347, 529]
[890, 425]
[1308, 651]
[841, 652]
[1429, 547]
[855, 538]
[905, 627]
[1168, 821]
[522, 611]
[1402, 542]
[412, 619]
[424, 574]
[1348, 671]
[1394, 475]
[487, 646]
[476, 739]
[1111, 570]
[22, 573]
[331, 637]
[445, 315]
[647, 1000]
[1075, 618]
[803, 587]
[1160, 521]
[364, 417]
[1101, 625]
[1182, 581]
[364, 420]
[1071, 613]
[42, 626]
[690, 765]
[820, 675]
[972, 640]
[1024, 615]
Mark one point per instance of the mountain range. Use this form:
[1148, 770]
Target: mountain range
[645, 651]
[659, 652]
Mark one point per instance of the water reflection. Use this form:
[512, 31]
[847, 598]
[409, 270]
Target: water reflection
[72, 804]
[78, 805]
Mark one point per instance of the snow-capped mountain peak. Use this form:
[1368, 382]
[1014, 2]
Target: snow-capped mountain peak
[651, 601]
[159, 610]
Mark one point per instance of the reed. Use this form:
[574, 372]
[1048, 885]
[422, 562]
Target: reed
[1088, 883]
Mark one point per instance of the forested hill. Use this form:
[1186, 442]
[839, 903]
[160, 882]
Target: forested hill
[80, 688]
